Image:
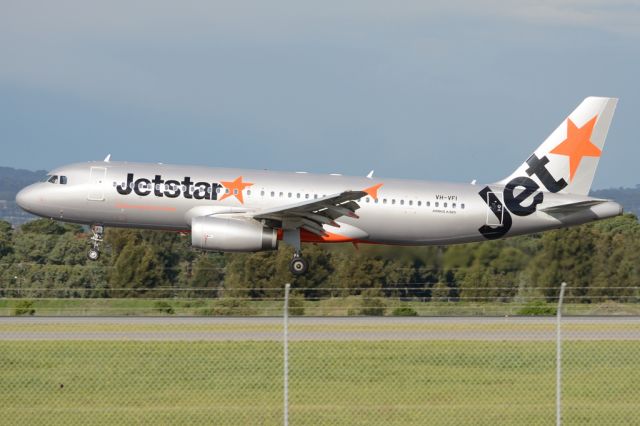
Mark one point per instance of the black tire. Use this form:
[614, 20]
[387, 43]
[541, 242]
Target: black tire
[298, 266]
[93, 254]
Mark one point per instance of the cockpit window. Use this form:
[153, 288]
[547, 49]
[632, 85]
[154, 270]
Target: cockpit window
[62, 180]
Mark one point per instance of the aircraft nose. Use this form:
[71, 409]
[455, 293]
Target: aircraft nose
[26, 198]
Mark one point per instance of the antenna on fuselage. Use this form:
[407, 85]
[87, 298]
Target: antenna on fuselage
[107, 158]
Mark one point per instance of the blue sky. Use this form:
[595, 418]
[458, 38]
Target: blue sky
[455, 91]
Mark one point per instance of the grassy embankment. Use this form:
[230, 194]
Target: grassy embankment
[338, 306]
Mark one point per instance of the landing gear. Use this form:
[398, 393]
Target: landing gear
[96, 239]
[298, 265]
[93, 254]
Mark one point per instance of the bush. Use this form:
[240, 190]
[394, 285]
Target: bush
[404, 311]
[163, 307]
[228, 307]
[24, 307]
[296, 307]
[372, 307]
[538, 307]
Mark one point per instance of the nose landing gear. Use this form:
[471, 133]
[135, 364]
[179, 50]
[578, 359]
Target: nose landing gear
[98, 236]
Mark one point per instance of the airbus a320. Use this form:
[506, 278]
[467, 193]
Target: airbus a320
[237, 210]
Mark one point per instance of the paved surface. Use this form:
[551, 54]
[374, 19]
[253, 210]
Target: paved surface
[309, 328]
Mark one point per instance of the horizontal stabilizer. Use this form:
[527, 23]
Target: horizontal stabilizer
[565, 209]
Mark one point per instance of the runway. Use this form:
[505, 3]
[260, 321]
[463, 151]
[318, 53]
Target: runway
[316, 328]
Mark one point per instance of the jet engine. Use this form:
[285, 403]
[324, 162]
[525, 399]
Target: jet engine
[233, 235]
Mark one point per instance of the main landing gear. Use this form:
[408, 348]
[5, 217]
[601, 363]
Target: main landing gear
[96, 239]
[298, 265]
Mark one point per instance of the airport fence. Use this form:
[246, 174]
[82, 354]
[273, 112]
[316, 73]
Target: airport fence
[356, 359]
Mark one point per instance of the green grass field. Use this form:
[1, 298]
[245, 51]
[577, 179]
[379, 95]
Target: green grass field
[351, 383]
[335, 306]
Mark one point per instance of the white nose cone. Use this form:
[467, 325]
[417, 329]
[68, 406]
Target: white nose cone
[26, 199]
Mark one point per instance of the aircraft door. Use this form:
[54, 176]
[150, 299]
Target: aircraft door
[495, 210]
[96, 182]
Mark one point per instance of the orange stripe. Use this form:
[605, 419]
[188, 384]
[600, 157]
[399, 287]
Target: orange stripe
[148, 208]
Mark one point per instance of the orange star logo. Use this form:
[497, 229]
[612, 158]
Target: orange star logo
[373, 191]
[577, 145]
[235, 188]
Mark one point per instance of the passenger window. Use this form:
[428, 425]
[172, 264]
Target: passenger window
[393, 201]
[281, 194]
[218, 190]
[410, 202]
[419, 203]
[384, 201]
[437, 204]
[402, 202]
[462, 206]
[273, 194]
[453, 205]
[366, 199]
[376, 201]
[298, 195]
[262, 193]
[289, 195]
[445, 205]
[306, 196]
[428, 203]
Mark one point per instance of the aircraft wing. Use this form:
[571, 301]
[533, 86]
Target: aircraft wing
[313, 214]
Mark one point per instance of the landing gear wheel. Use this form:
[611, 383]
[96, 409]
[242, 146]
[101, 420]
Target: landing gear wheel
[96, 239]
[298, 266]
[93, 254]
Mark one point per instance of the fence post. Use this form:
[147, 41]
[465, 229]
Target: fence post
[286, 353]
[559, 357]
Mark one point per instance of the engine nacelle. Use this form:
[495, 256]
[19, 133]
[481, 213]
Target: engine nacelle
[234, 235]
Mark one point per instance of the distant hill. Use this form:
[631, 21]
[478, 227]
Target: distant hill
[13, 180]
[628, 197]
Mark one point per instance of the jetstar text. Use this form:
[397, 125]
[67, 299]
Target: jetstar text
[170, 188]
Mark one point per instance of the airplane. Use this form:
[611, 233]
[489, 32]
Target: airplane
[238, 210]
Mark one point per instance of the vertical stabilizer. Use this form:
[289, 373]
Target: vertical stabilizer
[567, 160]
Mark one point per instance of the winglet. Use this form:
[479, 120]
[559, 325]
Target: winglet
[372, 191]
[370, 175]
[107, 158]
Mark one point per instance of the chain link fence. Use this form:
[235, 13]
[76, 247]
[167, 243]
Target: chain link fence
[336, 357]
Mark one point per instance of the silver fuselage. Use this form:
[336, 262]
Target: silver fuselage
[407, 212]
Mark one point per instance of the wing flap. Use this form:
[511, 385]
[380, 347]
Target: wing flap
[313, 214]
